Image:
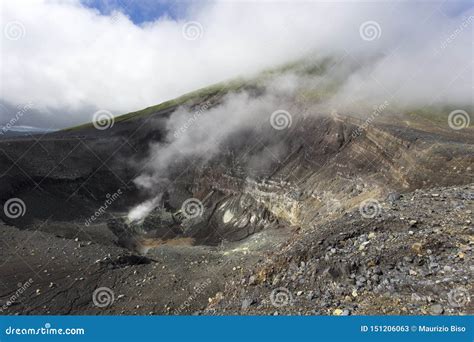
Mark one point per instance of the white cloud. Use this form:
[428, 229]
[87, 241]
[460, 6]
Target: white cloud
[71, 61]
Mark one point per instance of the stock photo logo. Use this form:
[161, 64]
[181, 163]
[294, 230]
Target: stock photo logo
[14, 208]
[192, 208]
[459, 119]
[22, 287]
[454, 34]
[103, 297]
[103, 119]
[370, 208]
[377, 111]
[192, 30]
[109, 200]
[370, 30]
[22, 110]
[281, 119]
[281, 297]
[14, 30]
[459, 297]
[192, 120]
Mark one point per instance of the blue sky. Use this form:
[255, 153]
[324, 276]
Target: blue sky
[140, 11]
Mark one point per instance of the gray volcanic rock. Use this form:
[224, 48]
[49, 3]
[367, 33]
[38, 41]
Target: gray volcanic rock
[373, 265]
[313, 219]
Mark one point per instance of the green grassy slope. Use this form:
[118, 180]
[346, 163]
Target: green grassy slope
[188, 98]
[323, 89]
[298, 67]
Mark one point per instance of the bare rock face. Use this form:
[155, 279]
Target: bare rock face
[217, 219]
[315, 211]
[366, 264]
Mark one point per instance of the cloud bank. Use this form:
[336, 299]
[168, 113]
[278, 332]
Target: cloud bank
[70, 61]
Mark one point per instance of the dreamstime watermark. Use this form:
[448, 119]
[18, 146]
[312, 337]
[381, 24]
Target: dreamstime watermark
[99, 212]
[281, 119]
[21, 289]
[14, 208]
[370, 208]
[457, 31]
[14, 30]
[370, 30]
[375, 113]
[458, 119]
[46, 330]
[18, 115]
[103, 119]
[281, 297]
[103, 297]
[459, 297]
[197, 114]
[192, 30]
[197, 291]
[192, 208]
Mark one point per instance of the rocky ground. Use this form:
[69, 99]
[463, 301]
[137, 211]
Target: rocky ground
[310, 220]
[46, 274]
[410, 254]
